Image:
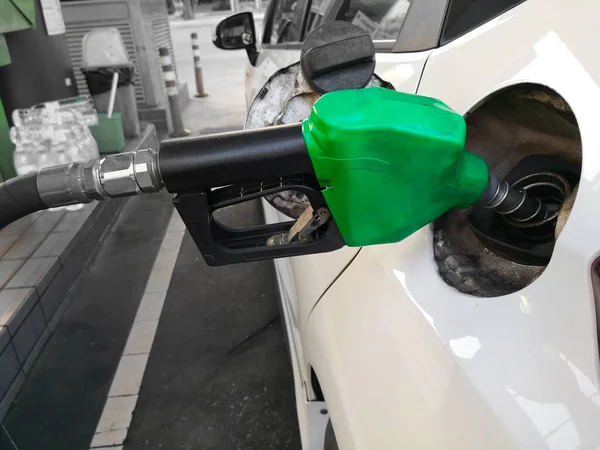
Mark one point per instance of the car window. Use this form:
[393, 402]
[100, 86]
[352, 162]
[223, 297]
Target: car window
[283, 27]
[465, 15]
[382, 19]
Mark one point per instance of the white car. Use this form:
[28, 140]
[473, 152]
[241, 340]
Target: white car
[466, 335]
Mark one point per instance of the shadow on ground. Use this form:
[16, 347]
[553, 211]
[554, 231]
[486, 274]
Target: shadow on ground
[219, 375]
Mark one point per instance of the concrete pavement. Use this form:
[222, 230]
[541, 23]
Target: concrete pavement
[219, 375]
[224, 75]
[61, 401]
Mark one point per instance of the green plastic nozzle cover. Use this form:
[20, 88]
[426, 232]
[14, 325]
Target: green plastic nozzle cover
[389, 162]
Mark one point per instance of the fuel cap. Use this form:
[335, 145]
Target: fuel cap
[337, 55]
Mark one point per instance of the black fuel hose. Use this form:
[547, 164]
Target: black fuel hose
[19, 197]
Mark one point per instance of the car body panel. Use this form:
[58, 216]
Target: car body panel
[269, 61]
[406, 361]
[311, 419]
[306, 278]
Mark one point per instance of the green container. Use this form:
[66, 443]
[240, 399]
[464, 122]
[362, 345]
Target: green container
[109, 133]
[15, 15]
[7, 169]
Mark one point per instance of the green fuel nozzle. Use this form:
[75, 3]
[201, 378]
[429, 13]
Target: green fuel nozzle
[380, 163]
[389, 163]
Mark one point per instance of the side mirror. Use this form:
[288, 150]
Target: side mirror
[237, 32]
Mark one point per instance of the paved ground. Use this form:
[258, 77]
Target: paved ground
[63, 397]
[223, 73]
[218, 374]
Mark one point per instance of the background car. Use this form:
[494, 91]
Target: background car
[467, 334]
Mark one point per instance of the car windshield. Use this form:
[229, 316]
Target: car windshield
[382, 19]
[390, 24]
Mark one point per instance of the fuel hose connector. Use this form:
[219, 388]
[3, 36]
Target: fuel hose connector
[114, 176]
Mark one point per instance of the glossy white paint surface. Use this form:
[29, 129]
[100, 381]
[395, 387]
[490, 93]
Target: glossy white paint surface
[406, 361]
[311, 421]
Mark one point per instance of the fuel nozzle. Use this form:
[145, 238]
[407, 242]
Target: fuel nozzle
[375, 165]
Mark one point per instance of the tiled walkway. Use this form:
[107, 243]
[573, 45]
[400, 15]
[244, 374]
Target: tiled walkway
[64, 394]
[40, 258]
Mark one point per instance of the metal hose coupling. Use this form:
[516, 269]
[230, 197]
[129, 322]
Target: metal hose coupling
[118, 175]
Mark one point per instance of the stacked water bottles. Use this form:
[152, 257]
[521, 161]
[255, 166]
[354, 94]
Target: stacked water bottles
[53, 133]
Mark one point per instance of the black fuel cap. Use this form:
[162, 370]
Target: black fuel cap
[337, 55]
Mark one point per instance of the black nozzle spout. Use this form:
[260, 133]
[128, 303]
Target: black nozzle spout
[514, 203]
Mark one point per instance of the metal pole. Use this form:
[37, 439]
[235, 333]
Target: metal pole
[197, 67]
[257, 4]
[172, 93]
[232, 5]
[178, 8]
[188, 13]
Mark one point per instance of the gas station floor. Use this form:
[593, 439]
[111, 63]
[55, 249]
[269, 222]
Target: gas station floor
[217, 374]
